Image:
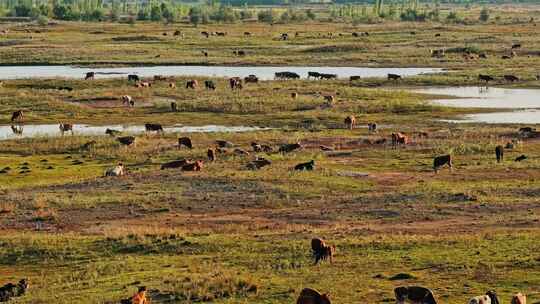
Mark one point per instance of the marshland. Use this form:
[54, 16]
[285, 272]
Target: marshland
[230, 234]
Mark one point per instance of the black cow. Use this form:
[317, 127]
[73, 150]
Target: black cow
[499, 153]
[440, 161]
[209, 84]
[315, 75]
[414, 294]
[185, 141]
[510, 78]
[133, 78]
[290, 147]
[353, 78]
[90, 75]
[174, 107]
[521, 158]
[149, 127]
[485, 78]
[286, 75]
[328, 76]
[309, 166]
[394, 77]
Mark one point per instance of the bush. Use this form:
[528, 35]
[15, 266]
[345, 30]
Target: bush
[266, 16]
[484, 14]
[42, 20]
[311, 15]
[155, 13]
[413, 15]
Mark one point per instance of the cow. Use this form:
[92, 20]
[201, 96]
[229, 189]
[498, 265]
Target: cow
[134, 78]
[205, 53]
[485, 78]
[489, 298]
[329, 99]
[11, 290]
[235, 83]
[328, 76]
[519, 298]
[65, 127]
[128, 101]
[286, 75]
[482, 55]
[286, 148]
[354, 78]
[284, 36]
[516, 46]
[126, 140]
[258, 163]
[399, 139]
[506, 57]
[175, 164]
[174, 107]
[172, 85]
[522, 157]
[251, 79]
[309, 166]
[247, 34]
[185, 141]
[209, 85]
[510, 78]
[393, 77]
[437, 53]
[192, 84]
[196, 166]
[321, 251]
[112, 132]
[372, 127]
[526, 130]
[17, 129]
[315, 75]
[177, 33]
[311, 296]
[240, 152]
[499, 153]
[224, 144]
[442, 160]
[143, 84]
[414, 294]
[119, 170]
[205, 34]
[90, 75]
[17, 116]
[294, 95]
[149, 127]
[239, 52]
[221, 34]
[211, 153]
[350, 122]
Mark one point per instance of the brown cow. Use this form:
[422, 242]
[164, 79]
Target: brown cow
[350, 121]
[414, 294]
[196, 166]
[192, 84]
[294, 95]
[440, 161]
[65, 127]
[311, 296]
[399, 139]
[17, 115]
[211, 154]
[185, 141]
[519, 298]
[321, 251]
[235, 83]
[499, 153]
[126, 140]
[172, 85]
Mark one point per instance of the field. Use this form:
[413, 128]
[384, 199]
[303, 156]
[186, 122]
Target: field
[227, 234]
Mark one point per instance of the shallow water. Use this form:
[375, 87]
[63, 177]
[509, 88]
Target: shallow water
[53, 130]
[530, 116]
[263, 72]
[482, 97]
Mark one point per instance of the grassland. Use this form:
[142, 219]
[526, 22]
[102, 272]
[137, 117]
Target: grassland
[231, 235]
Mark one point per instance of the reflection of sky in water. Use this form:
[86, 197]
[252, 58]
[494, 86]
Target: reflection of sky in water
[6, 132]
[523, 117]
[263, 72]
[482, 97]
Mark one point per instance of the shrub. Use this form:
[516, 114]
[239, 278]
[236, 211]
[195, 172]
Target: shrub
[484, 14]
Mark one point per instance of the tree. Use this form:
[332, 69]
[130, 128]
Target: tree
[266, 16]
[195, 15]
[155, 13]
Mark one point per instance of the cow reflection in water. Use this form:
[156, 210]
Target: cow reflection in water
[17, 129]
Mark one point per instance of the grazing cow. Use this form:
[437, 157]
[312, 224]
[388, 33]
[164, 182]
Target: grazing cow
[177, 33]
[185, 141]
[175, 164]
[516, 46]
[321, 251]
[286, 75]
[506, 57]
[258, 163]
[519, 298]
[221, 34]
[355, 34]
[205, 34]
[294, 95]
[329, 99]
[309, 166]
[134, 78]
[521, 158]
[437, 35]
[499, 153]
[235, 83]
[354, 78]
[112, 132]
[489, 298]
[196, 166]
[510, 78]
[251, 79]
[311, 296]
[205, 53]
[350, 122]
[256, 147]
[192, 84]
[372, 127]
[315, 75]
[209, 85]
[399, 139]
[247, 34]
[414, 294]
[149, 127]
[328, 76]
[65, 127]
[172, 85]
[17, 115]
[286, 148]
[442, 160]
[526, 130]
[119, 170]
[128, 101]
[17, 129]
[224, 144]
[485, 78]
[11, 290]
[211, 153]
[394, 77]
[90, 75]
[126, 140]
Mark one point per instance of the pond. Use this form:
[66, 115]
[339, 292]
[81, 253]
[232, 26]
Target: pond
[486, 97]
[53, 130]
[530, 116]
[263, 72]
